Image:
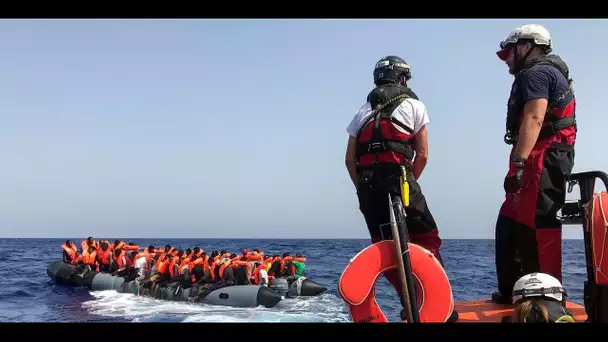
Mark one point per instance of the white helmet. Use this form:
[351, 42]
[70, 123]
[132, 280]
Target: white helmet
[533, 32]
[537, 285]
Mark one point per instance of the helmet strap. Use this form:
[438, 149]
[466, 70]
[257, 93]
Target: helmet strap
[519, 63]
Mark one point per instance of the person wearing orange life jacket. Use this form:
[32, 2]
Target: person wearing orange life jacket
[131, 246]
[541, 130]
[254, 256]
[224, 254]
[162, 256]
[117, 245]
[169, 249]
[185, 267]
[242, 271]
[224, 273]
[267, 263]
[275, 266]
[285, 263]
[184, 274]
[150, 254]
[69, 251]
[161, 275]
[140, 266]
[186, 260]
[129, 255]
[130, 272]
[199, 267]
[260, 275]
[223, 276]
[104, 256]
[119, 261]
[219, 267]
[84, 245]
[295, 268]
[174, 273]
[214, 265]
[89, 260]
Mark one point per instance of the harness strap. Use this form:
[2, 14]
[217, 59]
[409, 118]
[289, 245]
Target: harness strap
[556, 125]
[378, 143]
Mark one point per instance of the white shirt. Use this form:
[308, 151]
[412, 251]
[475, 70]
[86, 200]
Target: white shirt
[263, 276]
[140, 266]
[411, 113]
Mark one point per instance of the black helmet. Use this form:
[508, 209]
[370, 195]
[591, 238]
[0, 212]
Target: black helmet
[390, 68]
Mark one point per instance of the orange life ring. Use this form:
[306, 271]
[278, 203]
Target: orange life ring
[358, 282]
[598, 220]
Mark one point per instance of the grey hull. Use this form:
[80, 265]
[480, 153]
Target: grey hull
[244, 295]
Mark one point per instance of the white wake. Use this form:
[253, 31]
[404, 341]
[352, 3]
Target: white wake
[323, 308]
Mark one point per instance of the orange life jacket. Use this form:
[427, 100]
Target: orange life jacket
[159, 261]
[184, 262]
[162, 266]
[283, 261]
[206, 264]
[213, 263]
[70, 250]
[256, 274]
[85, 246]
[126, 247]
[104, 256]
[128, 261]
[220, 273]
[239, 263]
[194, 263]
[147, 254]
[120, 260]
[172, 263]
[254, 256]
[89, 258]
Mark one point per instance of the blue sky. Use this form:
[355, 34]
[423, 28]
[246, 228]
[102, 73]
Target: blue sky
[236, 128]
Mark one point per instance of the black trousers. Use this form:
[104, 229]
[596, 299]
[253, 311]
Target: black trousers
[374, 187]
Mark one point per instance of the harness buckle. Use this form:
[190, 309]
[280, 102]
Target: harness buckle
[376, 147]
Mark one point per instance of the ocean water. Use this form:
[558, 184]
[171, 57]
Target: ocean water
[28, 295]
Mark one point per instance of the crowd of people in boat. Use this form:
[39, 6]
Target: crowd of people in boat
[152, 266]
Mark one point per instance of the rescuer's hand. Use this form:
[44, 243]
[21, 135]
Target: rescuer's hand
[513, 183]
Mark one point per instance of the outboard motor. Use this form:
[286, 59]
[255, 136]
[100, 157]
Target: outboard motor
[280, 286]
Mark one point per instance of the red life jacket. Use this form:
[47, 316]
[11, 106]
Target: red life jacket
[379, 140]
[560, 114]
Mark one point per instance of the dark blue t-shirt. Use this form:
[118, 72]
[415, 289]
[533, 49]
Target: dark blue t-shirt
[543, 81]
